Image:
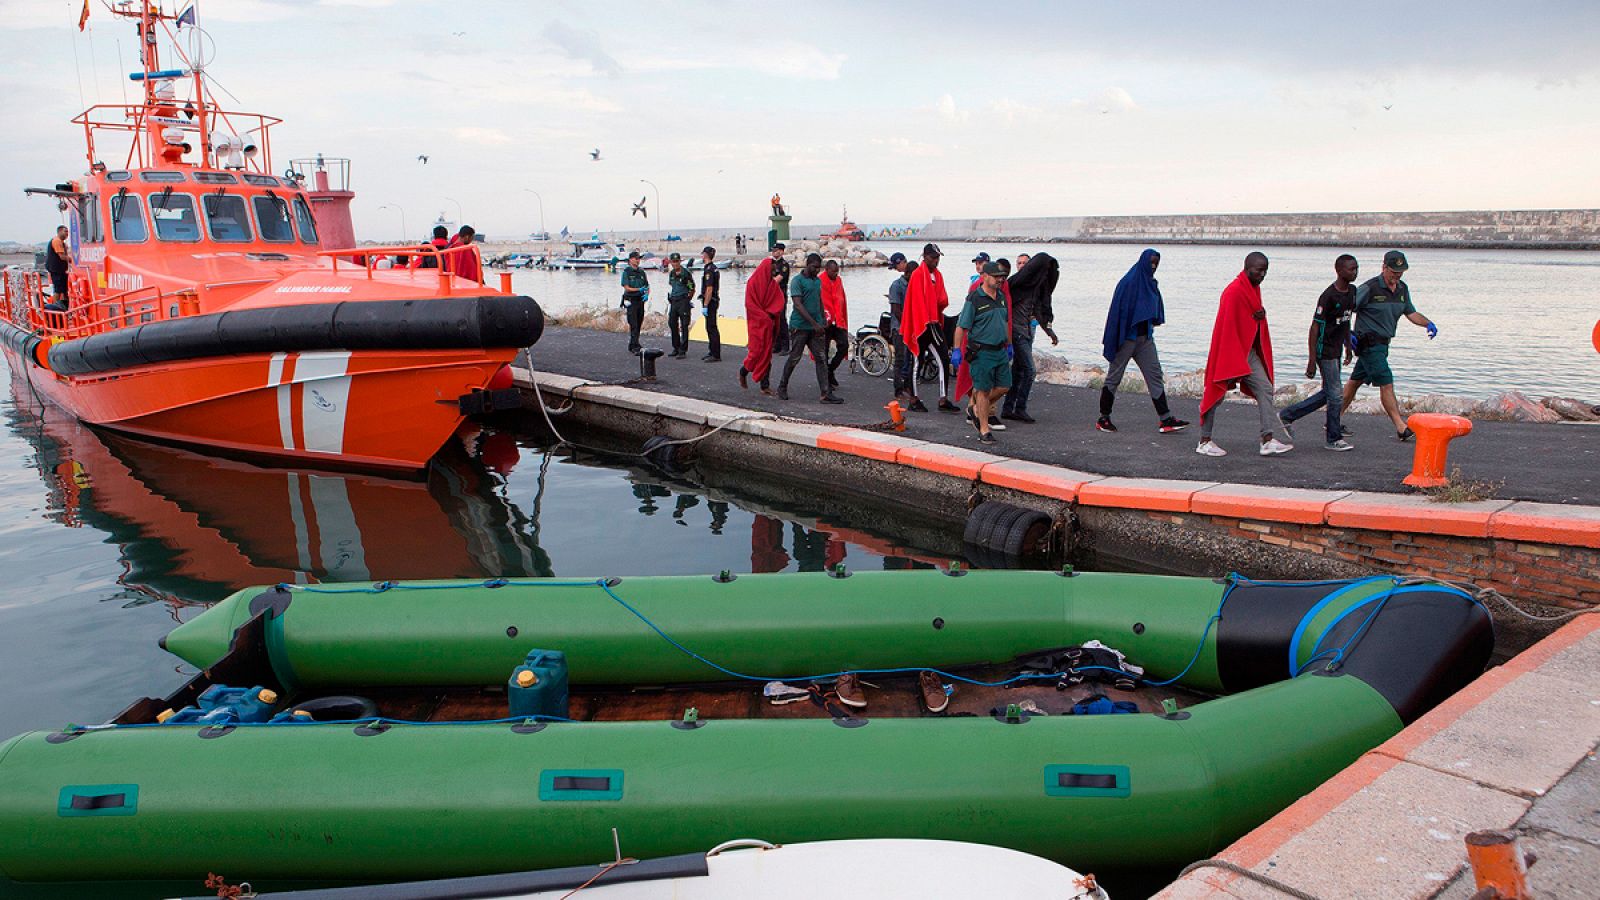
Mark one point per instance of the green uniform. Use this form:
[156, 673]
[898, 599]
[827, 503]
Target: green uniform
[806, 289]
[988, 328]
[1378, 312]
[680, 284]
[633, 276]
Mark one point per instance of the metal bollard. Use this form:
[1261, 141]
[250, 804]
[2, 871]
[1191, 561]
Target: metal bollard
[647, 362]
[1434, 432]
[1499, 869]
[505, 282]
[897, 416]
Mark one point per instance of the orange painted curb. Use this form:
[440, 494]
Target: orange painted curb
[1378, 512]
[861, 443]
[947, 460]
[1267, 837]
[1266, 504]
[1036, 478]
[1547, 523]
[1142, 493]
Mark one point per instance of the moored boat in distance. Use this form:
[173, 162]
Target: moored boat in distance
[211, 302]
[847, 230]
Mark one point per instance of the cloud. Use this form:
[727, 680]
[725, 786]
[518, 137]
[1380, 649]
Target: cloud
[582, 45]
[906, 147]
[474, 134]
[946, 108]
[784, 59]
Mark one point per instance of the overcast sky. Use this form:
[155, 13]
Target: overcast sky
[904, 111]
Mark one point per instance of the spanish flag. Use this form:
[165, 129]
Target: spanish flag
[83, 17]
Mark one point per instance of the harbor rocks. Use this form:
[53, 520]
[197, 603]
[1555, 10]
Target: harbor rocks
[1514, 406]
[1572, 410]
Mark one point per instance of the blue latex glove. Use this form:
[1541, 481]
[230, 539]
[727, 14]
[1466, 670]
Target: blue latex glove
[1354, 344]
[1433, 331]
[1011, 353]
[955, 357]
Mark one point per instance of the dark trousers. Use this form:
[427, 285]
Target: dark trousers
[679, 309]
[713, 336]
[1331, 395]
[634, 308]
[839, 339]
[780, 342]
[801, 340]
[1022, 373]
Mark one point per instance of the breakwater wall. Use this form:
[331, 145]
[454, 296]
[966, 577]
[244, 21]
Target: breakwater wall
[1564, 229]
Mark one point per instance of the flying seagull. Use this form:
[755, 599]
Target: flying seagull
[594, 155]
[1388, 106]
[639, 208]
[458, 34]
[423, 158]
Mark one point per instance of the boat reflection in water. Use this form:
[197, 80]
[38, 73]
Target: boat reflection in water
[192, 528]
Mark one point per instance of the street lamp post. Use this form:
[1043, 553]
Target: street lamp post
[660, 232]
[542, 230]
[405, 233]
[460, 216]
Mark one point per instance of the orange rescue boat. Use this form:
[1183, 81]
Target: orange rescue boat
[202, 308]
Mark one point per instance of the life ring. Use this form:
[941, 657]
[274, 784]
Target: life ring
[1595, 337]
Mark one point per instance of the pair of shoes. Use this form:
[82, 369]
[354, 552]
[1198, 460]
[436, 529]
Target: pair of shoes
[744, 378]
[830, 398]
[1018, 416]
[1170, 424]
[709, 358]
[986, 437]
[1272, 447]
[1286, 425]
[767, 391]
[1104, 424]
[848, 689]
[947, 406]
[1344, 430]
[972, 419]
[783, 392]
[1406, 435]
[917, 406]
[994, 423]
[1210, 448]
[1340, 444]
[933, 695]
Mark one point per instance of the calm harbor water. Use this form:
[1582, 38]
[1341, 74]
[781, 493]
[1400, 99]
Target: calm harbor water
[107, 543]
[1508, 319]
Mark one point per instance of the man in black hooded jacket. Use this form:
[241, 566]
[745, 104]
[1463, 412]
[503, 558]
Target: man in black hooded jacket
[1032, 287]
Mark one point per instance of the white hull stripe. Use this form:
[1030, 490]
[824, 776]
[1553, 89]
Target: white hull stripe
[324, 397]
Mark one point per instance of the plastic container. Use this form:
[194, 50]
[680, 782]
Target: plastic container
[538, 687]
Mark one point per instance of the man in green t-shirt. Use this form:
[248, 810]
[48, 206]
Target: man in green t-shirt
[635, 293]
[983, 336]
[807, 328]
[1379, 304]
[680, 304]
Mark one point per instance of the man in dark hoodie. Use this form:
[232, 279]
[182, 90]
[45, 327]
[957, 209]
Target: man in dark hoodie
[1136, 311]
[1032, 287]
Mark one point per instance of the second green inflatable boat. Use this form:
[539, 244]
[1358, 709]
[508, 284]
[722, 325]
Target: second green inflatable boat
[668, 739]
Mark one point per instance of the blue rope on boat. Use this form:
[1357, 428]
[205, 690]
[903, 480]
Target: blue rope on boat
[371, 720]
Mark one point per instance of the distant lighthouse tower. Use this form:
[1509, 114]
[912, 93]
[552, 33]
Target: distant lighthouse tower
[330, 197]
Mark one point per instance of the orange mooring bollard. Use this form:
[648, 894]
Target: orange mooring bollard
[1498, 866]
[1434, 433]
[897, 416]
[1595, 337]
[505, 282]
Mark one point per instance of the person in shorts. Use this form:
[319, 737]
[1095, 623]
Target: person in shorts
[1380, 303]
[983, 335]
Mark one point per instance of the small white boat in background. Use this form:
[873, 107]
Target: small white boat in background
[879, 869]
[587, 254]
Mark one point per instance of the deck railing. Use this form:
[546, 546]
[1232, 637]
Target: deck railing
[367, 258]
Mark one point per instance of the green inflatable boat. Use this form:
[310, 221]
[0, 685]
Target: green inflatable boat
[481, 727]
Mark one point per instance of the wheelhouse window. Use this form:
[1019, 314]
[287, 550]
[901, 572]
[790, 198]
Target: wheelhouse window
[127, 219]
[175, 217]
[118, 176]
[272, 216]
[302, 217]
[215, 178]
[226, 218]
[260, 180]
[161, 176]
[90, 231]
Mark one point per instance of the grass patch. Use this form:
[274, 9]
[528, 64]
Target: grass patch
[1459, 489]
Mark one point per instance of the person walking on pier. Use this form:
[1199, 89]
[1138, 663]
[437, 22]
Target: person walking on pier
[978, 262]
[635, 294]
[710, 299]
[780, 271]
[57, 260]
[835, 308]
[983, 336]
[1241, 353]
[762, 305]
[904, 359]
[1032, 289]
[1328, 341]
[808, 329]
[680, 304]
[1380, 302]
[922, 327]
[1131, 322]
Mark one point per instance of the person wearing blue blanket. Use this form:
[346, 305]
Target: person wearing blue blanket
[1136, 311]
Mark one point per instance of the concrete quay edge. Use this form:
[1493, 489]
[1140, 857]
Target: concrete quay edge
[1520, 520]
[1392, 824]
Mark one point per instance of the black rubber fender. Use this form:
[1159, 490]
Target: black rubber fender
[979, 521]
[1026, 536]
